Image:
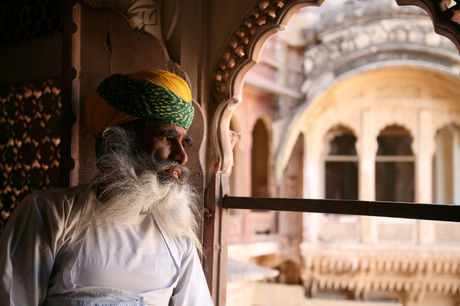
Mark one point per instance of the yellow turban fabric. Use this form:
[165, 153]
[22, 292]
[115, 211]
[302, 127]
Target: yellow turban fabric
[175, 107]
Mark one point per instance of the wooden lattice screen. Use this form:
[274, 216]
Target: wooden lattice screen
[30, 129]
[30, 113]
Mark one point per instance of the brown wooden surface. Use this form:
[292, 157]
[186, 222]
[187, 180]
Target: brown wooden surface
[103, 43]
[216, 239]
[439, 212]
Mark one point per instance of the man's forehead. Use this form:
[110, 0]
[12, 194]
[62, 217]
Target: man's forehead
[162, 128]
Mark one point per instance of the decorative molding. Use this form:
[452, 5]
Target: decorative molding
[139, 12]
[409, 273]
[445, 17]
[372, 43]
[363, 42]
[240, 50]
[222, 136]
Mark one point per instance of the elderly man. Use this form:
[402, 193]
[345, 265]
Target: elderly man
[129, 237]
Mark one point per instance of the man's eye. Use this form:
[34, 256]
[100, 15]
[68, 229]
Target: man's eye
[186, 145]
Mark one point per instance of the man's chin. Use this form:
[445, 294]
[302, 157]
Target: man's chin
[166, 178]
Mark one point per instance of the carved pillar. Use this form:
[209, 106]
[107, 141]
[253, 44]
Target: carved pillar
[424, 155]
[439, 173]
[456, 166]
[313, 185]
[290, 224]
[424, 172]
[366, 175]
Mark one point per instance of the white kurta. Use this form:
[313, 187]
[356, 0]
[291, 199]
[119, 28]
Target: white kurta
[50, 256]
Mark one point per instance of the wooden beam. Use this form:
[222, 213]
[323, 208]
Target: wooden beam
[438, 212]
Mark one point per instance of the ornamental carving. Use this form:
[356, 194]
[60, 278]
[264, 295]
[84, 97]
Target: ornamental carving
[409, 273]
[139, 12]
[30, 138]
[264, 16]
[373, 42]
[445, 15]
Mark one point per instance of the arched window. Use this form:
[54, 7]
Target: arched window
[341, 182]
[341, 165]
[394, 166]
[259, 160]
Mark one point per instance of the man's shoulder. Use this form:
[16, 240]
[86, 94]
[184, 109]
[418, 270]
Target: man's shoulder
[183, 246]
[64, 198]
[61, 192]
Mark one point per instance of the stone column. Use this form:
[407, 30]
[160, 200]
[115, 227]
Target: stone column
[366, 172]
[456, 166]
[424, 172]
[312, 182]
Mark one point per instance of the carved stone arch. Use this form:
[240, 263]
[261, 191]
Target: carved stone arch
[239, 54]
[452, 118]
[261, 156]
[329, 129]
[399, 124]
[267, 121]
[445, 19]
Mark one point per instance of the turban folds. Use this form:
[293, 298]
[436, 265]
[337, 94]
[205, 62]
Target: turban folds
[147, 94]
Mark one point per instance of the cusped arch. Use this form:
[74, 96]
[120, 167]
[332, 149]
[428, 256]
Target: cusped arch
[243, 48]
[448, 119]
[240, 53]
[398, 125]
[332, 131]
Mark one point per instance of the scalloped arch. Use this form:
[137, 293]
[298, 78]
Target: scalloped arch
[239, 54]
[244, 45]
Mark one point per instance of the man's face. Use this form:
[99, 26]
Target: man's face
[166, 142]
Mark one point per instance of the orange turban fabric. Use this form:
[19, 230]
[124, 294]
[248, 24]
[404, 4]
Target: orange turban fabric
[100, 115]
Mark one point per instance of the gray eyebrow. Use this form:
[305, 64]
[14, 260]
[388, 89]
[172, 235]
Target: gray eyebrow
[171, 133]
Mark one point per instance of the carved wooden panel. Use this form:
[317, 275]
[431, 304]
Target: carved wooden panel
[30, 134]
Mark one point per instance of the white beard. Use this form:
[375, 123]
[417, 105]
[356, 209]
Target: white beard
[130, 185]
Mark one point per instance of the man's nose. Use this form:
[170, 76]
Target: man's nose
[178, 153]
